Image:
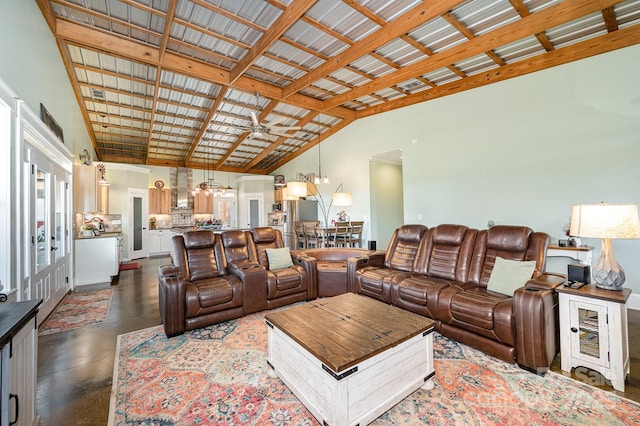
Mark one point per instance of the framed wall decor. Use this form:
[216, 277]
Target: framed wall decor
[51, 123]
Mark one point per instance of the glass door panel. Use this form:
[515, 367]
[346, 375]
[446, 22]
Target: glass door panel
[224, 208]
[58, 240]
[43, 225]
[590, 340]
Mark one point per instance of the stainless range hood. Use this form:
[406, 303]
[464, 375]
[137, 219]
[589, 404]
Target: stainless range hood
[183, 180]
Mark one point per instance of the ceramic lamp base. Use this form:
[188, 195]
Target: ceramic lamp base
[607, 272]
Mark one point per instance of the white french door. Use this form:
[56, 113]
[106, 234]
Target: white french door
[46, 223]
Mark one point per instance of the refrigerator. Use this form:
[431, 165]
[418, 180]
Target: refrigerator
[296, 211]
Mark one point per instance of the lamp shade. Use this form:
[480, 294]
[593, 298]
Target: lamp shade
[297, 189]
[341, 199]
[605, 221]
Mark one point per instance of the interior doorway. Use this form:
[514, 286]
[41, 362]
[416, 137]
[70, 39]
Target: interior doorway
[138, 215]
[387, 200]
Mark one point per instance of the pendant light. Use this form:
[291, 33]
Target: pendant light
[319, 178]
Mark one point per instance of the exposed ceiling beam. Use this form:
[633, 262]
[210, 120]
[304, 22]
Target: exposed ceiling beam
[405, 23]
[581, 50]
[290, 15]
[555, 15]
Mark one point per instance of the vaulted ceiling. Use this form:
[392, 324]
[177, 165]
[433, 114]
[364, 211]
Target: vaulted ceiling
[176, 82]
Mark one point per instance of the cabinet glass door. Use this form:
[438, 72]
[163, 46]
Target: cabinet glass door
[224, 208]
[590, 339]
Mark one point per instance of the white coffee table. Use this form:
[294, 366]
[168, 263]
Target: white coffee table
[350, 358]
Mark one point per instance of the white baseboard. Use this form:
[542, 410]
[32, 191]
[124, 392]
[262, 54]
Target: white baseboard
[634, 302]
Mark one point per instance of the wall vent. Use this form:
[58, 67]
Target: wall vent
[98, 94]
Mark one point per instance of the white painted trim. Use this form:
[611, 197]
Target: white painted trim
[634, 302]
[254, 177]
[122, 166]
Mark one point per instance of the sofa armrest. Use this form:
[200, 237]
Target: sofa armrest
[310, 266]
[171, 299]
[373, 259]
[546, 281]
[537, 336]
[254, 285]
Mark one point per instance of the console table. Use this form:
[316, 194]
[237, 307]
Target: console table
[582, 254]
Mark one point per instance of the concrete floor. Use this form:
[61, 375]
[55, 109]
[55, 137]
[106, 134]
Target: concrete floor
[75, 368]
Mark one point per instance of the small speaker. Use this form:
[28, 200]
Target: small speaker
[372, 245]
[579, 272]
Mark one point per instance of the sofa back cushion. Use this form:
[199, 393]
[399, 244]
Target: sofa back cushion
[199, 255]
[237, 246]
[403, 247]
[266, 238]
[507, 242]
[447, 252]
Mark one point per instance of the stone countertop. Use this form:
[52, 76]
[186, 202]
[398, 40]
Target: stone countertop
[102, 235]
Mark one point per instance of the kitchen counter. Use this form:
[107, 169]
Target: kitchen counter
[97, 258]
[102, 235]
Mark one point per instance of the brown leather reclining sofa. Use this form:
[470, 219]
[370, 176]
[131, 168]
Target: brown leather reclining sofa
[442, 273]
[218, 277]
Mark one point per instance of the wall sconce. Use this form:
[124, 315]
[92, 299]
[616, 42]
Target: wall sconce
[606, 221]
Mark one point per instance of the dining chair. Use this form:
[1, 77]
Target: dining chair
[310, 235]
[301, 241]
[342, 234]
[324, 236]
[355, 233]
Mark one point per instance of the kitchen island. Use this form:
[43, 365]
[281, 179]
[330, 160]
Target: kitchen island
[97, 258]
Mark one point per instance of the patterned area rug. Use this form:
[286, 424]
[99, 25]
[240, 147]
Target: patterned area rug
[218, 375]
[77, 310]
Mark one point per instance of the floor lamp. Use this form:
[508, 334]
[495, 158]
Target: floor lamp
[606, 221]
[338, 198]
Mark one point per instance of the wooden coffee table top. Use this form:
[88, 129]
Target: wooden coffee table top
[344, 330]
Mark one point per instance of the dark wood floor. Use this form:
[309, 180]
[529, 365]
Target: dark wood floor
[75, 368]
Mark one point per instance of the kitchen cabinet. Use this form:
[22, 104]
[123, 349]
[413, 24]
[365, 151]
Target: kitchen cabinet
[97, 258]
[18, 362]
[159, 241]
[88, 194]
[202, 203]
[159, 201]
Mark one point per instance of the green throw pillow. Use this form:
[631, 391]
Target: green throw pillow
[279, 258]
[509, 275]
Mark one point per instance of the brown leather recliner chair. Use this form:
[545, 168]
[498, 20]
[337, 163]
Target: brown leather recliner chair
[400, 258]
[284, 286]
[242, 261]
[197, 290]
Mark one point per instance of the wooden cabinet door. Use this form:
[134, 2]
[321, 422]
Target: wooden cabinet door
[202, 203]
[154, 196]
[159, 201]
[164, 201]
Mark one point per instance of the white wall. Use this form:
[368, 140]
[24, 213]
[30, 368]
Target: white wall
[31, 65]
[517, 152]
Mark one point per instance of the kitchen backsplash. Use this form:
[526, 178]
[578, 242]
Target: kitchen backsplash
[111, 222]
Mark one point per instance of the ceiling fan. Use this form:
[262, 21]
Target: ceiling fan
[270, 129]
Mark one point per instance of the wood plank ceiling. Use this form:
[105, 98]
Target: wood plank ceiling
[174, 82]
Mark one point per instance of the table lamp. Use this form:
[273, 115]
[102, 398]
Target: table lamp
[606, 221]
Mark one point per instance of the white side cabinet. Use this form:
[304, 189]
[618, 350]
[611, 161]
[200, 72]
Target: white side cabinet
[594, 331]
[18, 362]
